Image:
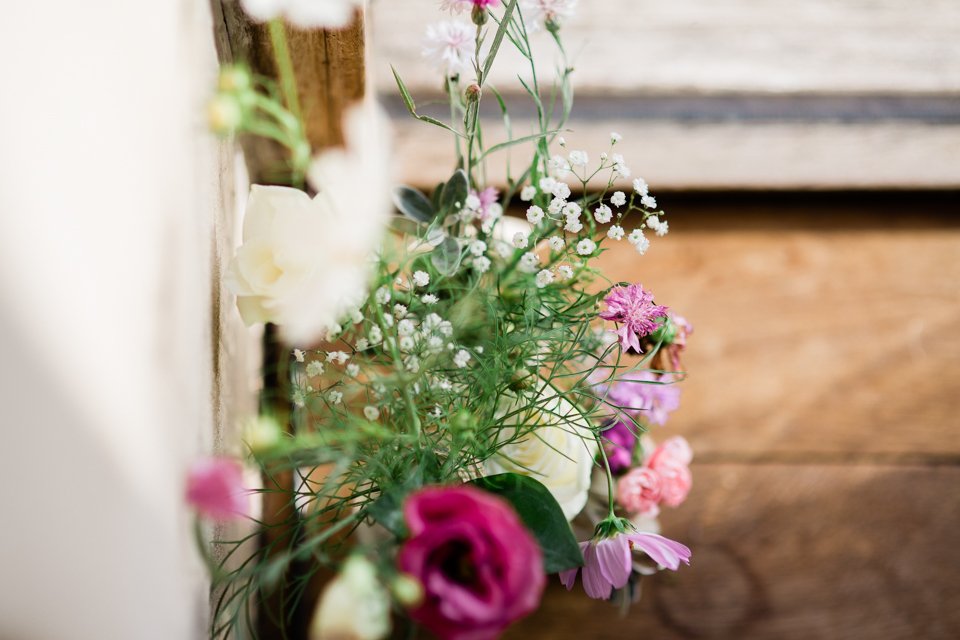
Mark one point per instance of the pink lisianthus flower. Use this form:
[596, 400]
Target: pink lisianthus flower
[479, 566]
[607, 561]
[639, 492]
[671, 461]
[633, 309]
[215, 489]
[644, 395]
[619, 443]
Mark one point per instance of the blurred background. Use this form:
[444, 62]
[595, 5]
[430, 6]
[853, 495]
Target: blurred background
[808, 155]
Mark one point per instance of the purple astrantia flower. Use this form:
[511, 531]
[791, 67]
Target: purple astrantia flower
[620, 440]
[633, 309]
[644, 395]
[488, 203]
[479, 566]
[607, 562]
[215, 489]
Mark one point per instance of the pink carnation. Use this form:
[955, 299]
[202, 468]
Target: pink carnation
[633, 309]
[639, 492]
[479, 566]
[671, 462]
[215, 489]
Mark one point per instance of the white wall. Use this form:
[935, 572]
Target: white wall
[110, 196]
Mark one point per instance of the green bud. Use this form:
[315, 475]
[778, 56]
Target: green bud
[235, 79]
[262, 434]
[224, 114]
[473, 92]
[478, 15]
[463, 422]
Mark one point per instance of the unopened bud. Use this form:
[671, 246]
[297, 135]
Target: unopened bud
[262, 434]
[473, 92]
[235, 79]
[407, 590]
[225, 114]
[479, 15]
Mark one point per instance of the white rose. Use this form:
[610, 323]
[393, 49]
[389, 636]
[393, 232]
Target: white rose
[354, 606]
[559, 453]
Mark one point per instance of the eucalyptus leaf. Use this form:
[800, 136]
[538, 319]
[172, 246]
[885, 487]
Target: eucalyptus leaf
[446, 257]
[435, 196]
[455, 192]
[413, 204]
[539, 511]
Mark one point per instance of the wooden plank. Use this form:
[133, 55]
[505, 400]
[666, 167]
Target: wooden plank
[821, 330]
[792, 553]
[696, 46]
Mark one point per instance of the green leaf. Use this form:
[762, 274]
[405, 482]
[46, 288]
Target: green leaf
[435, 196]
[455, 192]
[446, 257]
[539, 511]
[412, 106]
[498, 38]
[413, 204]
[387, 510]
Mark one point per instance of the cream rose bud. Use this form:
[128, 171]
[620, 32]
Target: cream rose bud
[559, 452]
[354, 606]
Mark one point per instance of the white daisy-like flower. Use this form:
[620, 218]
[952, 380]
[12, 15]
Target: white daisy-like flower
[618, 199]
[520, 240]
[421, 278]
[579, 158]
[615, 137]
[649, 202]
[615, 232]
[315, 368]
[561, 190]
[603, 214]
[586, 247]
[481, 264]
[450, 46]
[429, 299]
[371, 413]
[566, 272]
[556, 243]
[528, 193]
[353, 370]
[544, 278]
[534, 215]
[573, 225]
[461, 358]
[640, 186]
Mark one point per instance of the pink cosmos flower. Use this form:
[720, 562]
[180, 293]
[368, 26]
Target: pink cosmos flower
[215, 489]
[639, 492]
[633, 309]
[671, 462]
[644, 395]
[607, 562]
[479, 566]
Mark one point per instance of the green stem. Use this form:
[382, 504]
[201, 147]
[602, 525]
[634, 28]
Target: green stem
[288, 80]
[606, 466]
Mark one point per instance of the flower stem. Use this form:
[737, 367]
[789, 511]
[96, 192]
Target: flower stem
[606, 467]
[281, 54]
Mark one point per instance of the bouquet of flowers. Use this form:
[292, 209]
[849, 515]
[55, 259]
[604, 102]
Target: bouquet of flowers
[458, 408]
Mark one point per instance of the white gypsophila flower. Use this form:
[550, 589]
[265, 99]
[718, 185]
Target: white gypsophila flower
[615, 232]
[586, 246]
[302, 266]
[406, 344]
[362, 344]
[375, 335]
[399, 311]
[561, 190]
[556, 205]
[461, 358]
[314, 368]
[481, 264]
[354, 605]
[305, 14]
[544, 278]
[556, 243]
[371, 413]
[640, 186]
[406, 328]
[382, 296]
[534, 215]
[353, 370]
[603, 157]
[356, 316]
[566, 272]
[450, 46]
[411, 364]
[579, 158]
[663, 228]
[603, 214]
[473, 202]
[478, 247]
[618, 199]
[573, 225]
[622, 170]
[547, 184]
[299, 398]
[572, 210]
[421, 278]
[429, 299]
[435, 344]
[560, 165]
[298, 355]
[528, 193]
[529, 262]
[640, 241]
[520, 240]
[338, 357]
[615, 137]
[649, 202]
[334, 397]
[388, 321]
[432, 322]
[558, 452]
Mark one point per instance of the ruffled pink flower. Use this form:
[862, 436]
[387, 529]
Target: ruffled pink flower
[639, 492]
[643, 394]
[633, 309]
[215, 489]
[607, 562]
[671, 462]
[479, 566]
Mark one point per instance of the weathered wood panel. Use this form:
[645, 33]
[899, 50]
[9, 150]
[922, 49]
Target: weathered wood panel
[802, 552]
[821, 330]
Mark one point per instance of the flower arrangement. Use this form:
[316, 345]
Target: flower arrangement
[463, 394]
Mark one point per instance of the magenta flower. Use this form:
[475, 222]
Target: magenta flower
[644, 395]
[215, 489]
[479, 566]
[633, 309]
[607, 562]
[620, 441]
